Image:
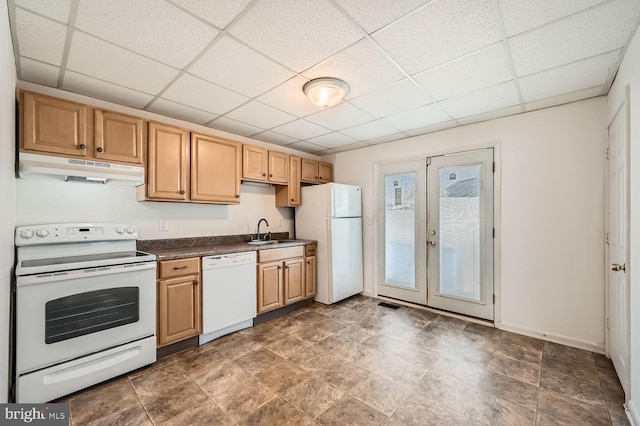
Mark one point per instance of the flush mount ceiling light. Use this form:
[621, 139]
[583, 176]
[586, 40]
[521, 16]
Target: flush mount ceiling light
[326, 91]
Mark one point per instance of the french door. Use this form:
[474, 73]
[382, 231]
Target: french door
[460, 233]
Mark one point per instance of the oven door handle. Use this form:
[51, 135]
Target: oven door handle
[83, 273]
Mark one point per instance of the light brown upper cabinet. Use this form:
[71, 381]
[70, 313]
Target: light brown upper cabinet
[289, 196]
[262, 165]
[53, 126]
[168, 164]
[215, 169]
[325, 172]
[119, 137]
[309, 173]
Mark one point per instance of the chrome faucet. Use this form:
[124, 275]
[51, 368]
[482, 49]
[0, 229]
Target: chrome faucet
[258, 228]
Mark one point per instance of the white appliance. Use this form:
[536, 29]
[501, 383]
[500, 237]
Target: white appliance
[331, 214]
[76, 169]
[85, 307]
[228, 294]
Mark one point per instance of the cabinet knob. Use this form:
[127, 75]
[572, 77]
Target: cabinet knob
[293, 200]
[308, 262]
[279, 267]
[196, 282]
[237, 195]
[270, 175]
[264, 174]
[316, 177]
[82, 146]
[99, 149]
[182, 191]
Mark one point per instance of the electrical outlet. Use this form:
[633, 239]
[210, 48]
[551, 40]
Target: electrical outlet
[164, 225]
[280, 223]
[369, 220]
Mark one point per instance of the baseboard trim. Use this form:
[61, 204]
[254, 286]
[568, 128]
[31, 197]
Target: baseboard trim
[555, 338]
[368, 294]
[633, 414]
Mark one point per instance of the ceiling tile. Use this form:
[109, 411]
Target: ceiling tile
[579, 75]
[58, 10]
[301, 129]
[520, 16]
[398, 97]
[418, 117]
[363, 66]
[326, 152]
[200, 94]
[356, 145]
[39, 72]
[220, 12]
[439, 32]
[385, 139]
[289, 97]
[152, 28]
[371, 130]
[233, 126]
[598, 30]
[40, 38]
[432, 128]
[99, 89]
[233, 65]
[306, 147]
[564, 99]
[490, 98]
[260, 115]
[373, 16]
[517, 109]
[117, 65]
[181, 112]
[483, 68]
[340, 117]
[273, 137]
[297, 34]
[332, 140]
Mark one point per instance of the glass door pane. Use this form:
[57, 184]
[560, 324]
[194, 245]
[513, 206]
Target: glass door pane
[400, 230]
[459, 225]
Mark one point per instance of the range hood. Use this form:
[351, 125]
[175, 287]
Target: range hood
[75, 169]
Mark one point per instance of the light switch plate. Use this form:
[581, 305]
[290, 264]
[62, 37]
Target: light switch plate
[164, 225]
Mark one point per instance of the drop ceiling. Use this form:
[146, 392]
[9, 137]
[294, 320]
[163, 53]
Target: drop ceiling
[413, 66]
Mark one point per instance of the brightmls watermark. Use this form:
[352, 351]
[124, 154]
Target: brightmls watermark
[34, 414]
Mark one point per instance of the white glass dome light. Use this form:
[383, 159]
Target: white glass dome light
[326, 91]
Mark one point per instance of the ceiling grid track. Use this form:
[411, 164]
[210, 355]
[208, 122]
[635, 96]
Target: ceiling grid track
[71, 27]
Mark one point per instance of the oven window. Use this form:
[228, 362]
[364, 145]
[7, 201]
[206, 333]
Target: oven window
[90, 312]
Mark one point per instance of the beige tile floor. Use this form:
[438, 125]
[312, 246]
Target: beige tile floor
[357, 363]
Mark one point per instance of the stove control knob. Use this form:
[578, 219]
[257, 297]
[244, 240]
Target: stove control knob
[131, 230]
[42, 233]
[26, 234]
[120, 230]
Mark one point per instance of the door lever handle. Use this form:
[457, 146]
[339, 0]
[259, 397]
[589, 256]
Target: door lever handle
[431, 243]
[618, 267]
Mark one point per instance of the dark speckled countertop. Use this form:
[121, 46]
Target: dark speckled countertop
[182, 248]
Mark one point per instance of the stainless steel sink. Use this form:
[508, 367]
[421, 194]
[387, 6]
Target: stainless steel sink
[262, 242]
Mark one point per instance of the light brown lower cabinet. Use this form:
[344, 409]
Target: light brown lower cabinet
[294, 272]
[270, 286]
[281, 277]
[179, 314]
[310, 276]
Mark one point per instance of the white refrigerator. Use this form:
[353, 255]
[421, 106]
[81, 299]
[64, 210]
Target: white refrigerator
[331, 214]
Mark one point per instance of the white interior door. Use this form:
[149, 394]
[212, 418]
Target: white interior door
[401, 218]
[618, 209]
[460, 233]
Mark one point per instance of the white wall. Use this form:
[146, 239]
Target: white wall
[629, 74]
[551, 223]
[7, 188]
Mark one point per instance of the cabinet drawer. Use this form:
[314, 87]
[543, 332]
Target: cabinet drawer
[310, 250]
[175, 268]
[281, 253]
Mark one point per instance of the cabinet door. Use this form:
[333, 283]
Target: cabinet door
[168, 165]
[289, 196]
[294, 271]
[309, 172]
[278, 167]
[270, 292]
[54, 126]
[310, 276]
[325, 172]
[254, 163]
[118, 137]
[215, 169]
[179, 309]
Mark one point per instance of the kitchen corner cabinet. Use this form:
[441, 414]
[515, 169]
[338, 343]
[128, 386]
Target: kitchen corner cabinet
[262, 165]
[309, 171]
[215, 169]
[179, 299]
[119, 137]
[289, 196]
[325, 172]
[281, 277]
[168, 168]
[310, 270]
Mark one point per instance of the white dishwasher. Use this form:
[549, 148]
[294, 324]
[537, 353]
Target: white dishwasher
[228, 294]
